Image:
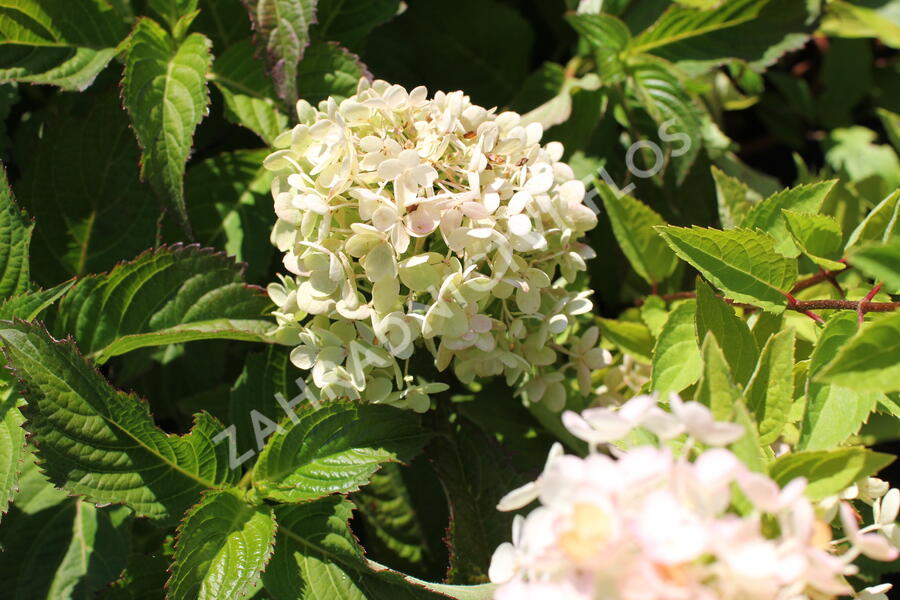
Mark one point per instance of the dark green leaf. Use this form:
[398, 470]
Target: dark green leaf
[316, 556]
[28, 305]
[223, 546]
[230, 205]
[165, 92]
[172, 10]
[350, 22]
[15, 239]
[59, 548]
[758, 32]
[335, 448]
[58, 42]
[12, 446]
[660, 92]
[267, 375]
[633, 223]
[81, 185]
[100, 443]
[282, 34]
[165, 296]
[329, 70]
[392, 522]
[475, 474]
[431, 44]
[248, 92]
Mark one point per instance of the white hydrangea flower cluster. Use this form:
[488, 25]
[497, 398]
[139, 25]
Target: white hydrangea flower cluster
[413, 222]
[650, 523]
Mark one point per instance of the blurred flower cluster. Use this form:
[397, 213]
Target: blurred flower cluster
[694, 523]
[412, 222]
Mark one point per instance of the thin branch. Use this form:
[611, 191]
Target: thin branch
[819, 278]
[804, 306]
[862, 306]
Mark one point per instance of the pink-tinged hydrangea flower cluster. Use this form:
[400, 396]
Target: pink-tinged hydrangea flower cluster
[652, 523]
[414, 222]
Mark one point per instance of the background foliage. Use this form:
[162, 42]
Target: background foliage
[133, 129]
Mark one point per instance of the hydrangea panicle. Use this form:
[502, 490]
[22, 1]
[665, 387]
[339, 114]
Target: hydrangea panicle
[414, 222]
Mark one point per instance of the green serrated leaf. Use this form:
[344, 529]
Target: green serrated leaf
[248, 92]
[223, 546]
[757, 32]
[860, 19]
[144, 578]
[833, 413]
[172, 10]
[57, 42]
[658, 90]
[316, 556]
[427, 43]
[891, 122]
[741, 263]
[391, 520]
[165, 93]
[770, 392]
[818, 236]
[680, 23]
[869, 361]
[334, 449]
[732, 335]
[633, 223]
[654, 314]
[267, 375]
[168, 295]
[282, 34]
[328, 70]
[676, 357]
[852, 151]
[603, 31]
[12, 446]
[880, 262]
[632, 338]
[81, 185]
[230, 205]
[734, 198]
[475, 474]
[59, 548]
[767, 215]
[747, 448]
[100, 443]
[28, 305]
[350, 22]
[608, 36]
[15, 239]
[828, 472]
[880, 224]
[716, 388]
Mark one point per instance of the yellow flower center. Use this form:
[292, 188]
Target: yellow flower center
[591, 528]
